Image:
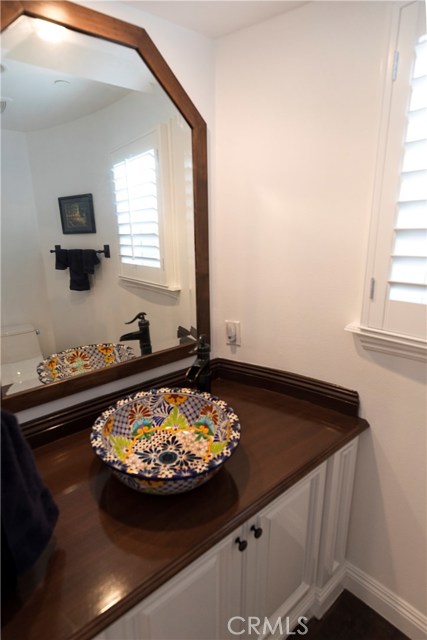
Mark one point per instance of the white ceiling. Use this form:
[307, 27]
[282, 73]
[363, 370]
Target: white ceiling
[215, 18]
[44, 86]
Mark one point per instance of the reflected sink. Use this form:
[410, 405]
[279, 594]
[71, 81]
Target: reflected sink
[78, 360]
[166, 441]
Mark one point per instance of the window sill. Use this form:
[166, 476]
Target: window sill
[390, 343]
[172, 291]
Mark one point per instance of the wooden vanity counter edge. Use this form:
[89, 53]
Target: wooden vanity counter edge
[115, 546]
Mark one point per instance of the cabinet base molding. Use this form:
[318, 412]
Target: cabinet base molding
[375, 595]
[316, 602]
[299, 614]
[324, 597]
[301, 610]
[386, 603]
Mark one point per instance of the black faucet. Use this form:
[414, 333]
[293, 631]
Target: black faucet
[143, 334]
[199, 374]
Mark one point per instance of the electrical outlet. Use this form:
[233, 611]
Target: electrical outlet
[232, 328]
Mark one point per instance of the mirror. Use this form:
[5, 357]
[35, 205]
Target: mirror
[146, 88]
[72, 127]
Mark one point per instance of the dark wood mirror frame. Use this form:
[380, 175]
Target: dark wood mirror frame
[96, 24]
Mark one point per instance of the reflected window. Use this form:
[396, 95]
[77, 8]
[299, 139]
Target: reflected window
[138, 203]
[144, 180]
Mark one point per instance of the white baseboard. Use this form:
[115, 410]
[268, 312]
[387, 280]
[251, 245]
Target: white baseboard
[385, 602]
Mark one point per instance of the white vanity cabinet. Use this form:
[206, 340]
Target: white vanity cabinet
[272, 568]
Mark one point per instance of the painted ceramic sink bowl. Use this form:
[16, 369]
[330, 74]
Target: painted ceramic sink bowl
[166, 441]
[73, 362]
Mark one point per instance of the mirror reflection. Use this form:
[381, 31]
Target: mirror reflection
[94, 155]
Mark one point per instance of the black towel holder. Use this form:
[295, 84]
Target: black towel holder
[105, 250]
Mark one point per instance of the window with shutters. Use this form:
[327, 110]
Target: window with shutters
[394, 315]
[142, 202]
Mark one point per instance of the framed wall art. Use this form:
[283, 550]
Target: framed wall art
[77, 214]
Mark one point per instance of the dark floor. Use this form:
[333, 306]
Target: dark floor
[351, 619]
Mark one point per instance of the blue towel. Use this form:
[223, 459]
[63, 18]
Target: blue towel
[28, 512]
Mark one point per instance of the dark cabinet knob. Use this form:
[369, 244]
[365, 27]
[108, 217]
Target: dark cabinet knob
[257, 531]
[242, 544]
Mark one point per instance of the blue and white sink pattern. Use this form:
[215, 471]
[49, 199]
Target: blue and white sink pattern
[166, 441]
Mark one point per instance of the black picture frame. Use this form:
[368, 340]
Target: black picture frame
[77, 214]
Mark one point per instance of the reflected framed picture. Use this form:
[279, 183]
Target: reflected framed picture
[77, 214]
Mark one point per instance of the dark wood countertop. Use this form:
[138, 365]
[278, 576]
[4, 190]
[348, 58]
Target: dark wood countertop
[114, 546]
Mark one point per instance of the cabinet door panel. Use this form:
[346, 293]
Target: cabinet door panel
[195, 605]
[188, 610]
[287, 527]
[286, 561]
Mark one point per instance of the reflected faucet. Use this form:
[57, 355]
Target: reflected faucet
[199, 374]
[143, 334]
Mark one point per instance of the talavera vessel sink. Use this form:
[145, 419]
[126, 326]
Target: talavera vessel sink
[73, 362]
[166, 441]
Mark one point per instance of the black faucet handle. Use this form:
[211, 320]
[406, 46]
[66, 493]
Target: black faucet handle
[139, 316]
[202, 347]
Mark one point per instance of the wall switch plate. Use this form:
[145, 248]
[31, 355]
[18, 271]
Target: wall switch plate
[232, 329]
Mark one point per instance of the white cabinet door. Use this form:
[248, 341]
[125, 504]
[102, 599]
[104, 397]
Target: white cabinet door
[284, 568]
[194, 605]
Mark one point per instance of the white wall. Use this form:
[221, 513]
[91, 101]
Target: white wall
[297, 114]
[23, 284]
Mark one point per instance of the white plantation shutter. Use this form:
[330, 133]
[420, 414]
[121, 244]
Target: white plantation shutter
[394, 314]
[408, 273]
[146, 174]
[138, 193]
[135, 187]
